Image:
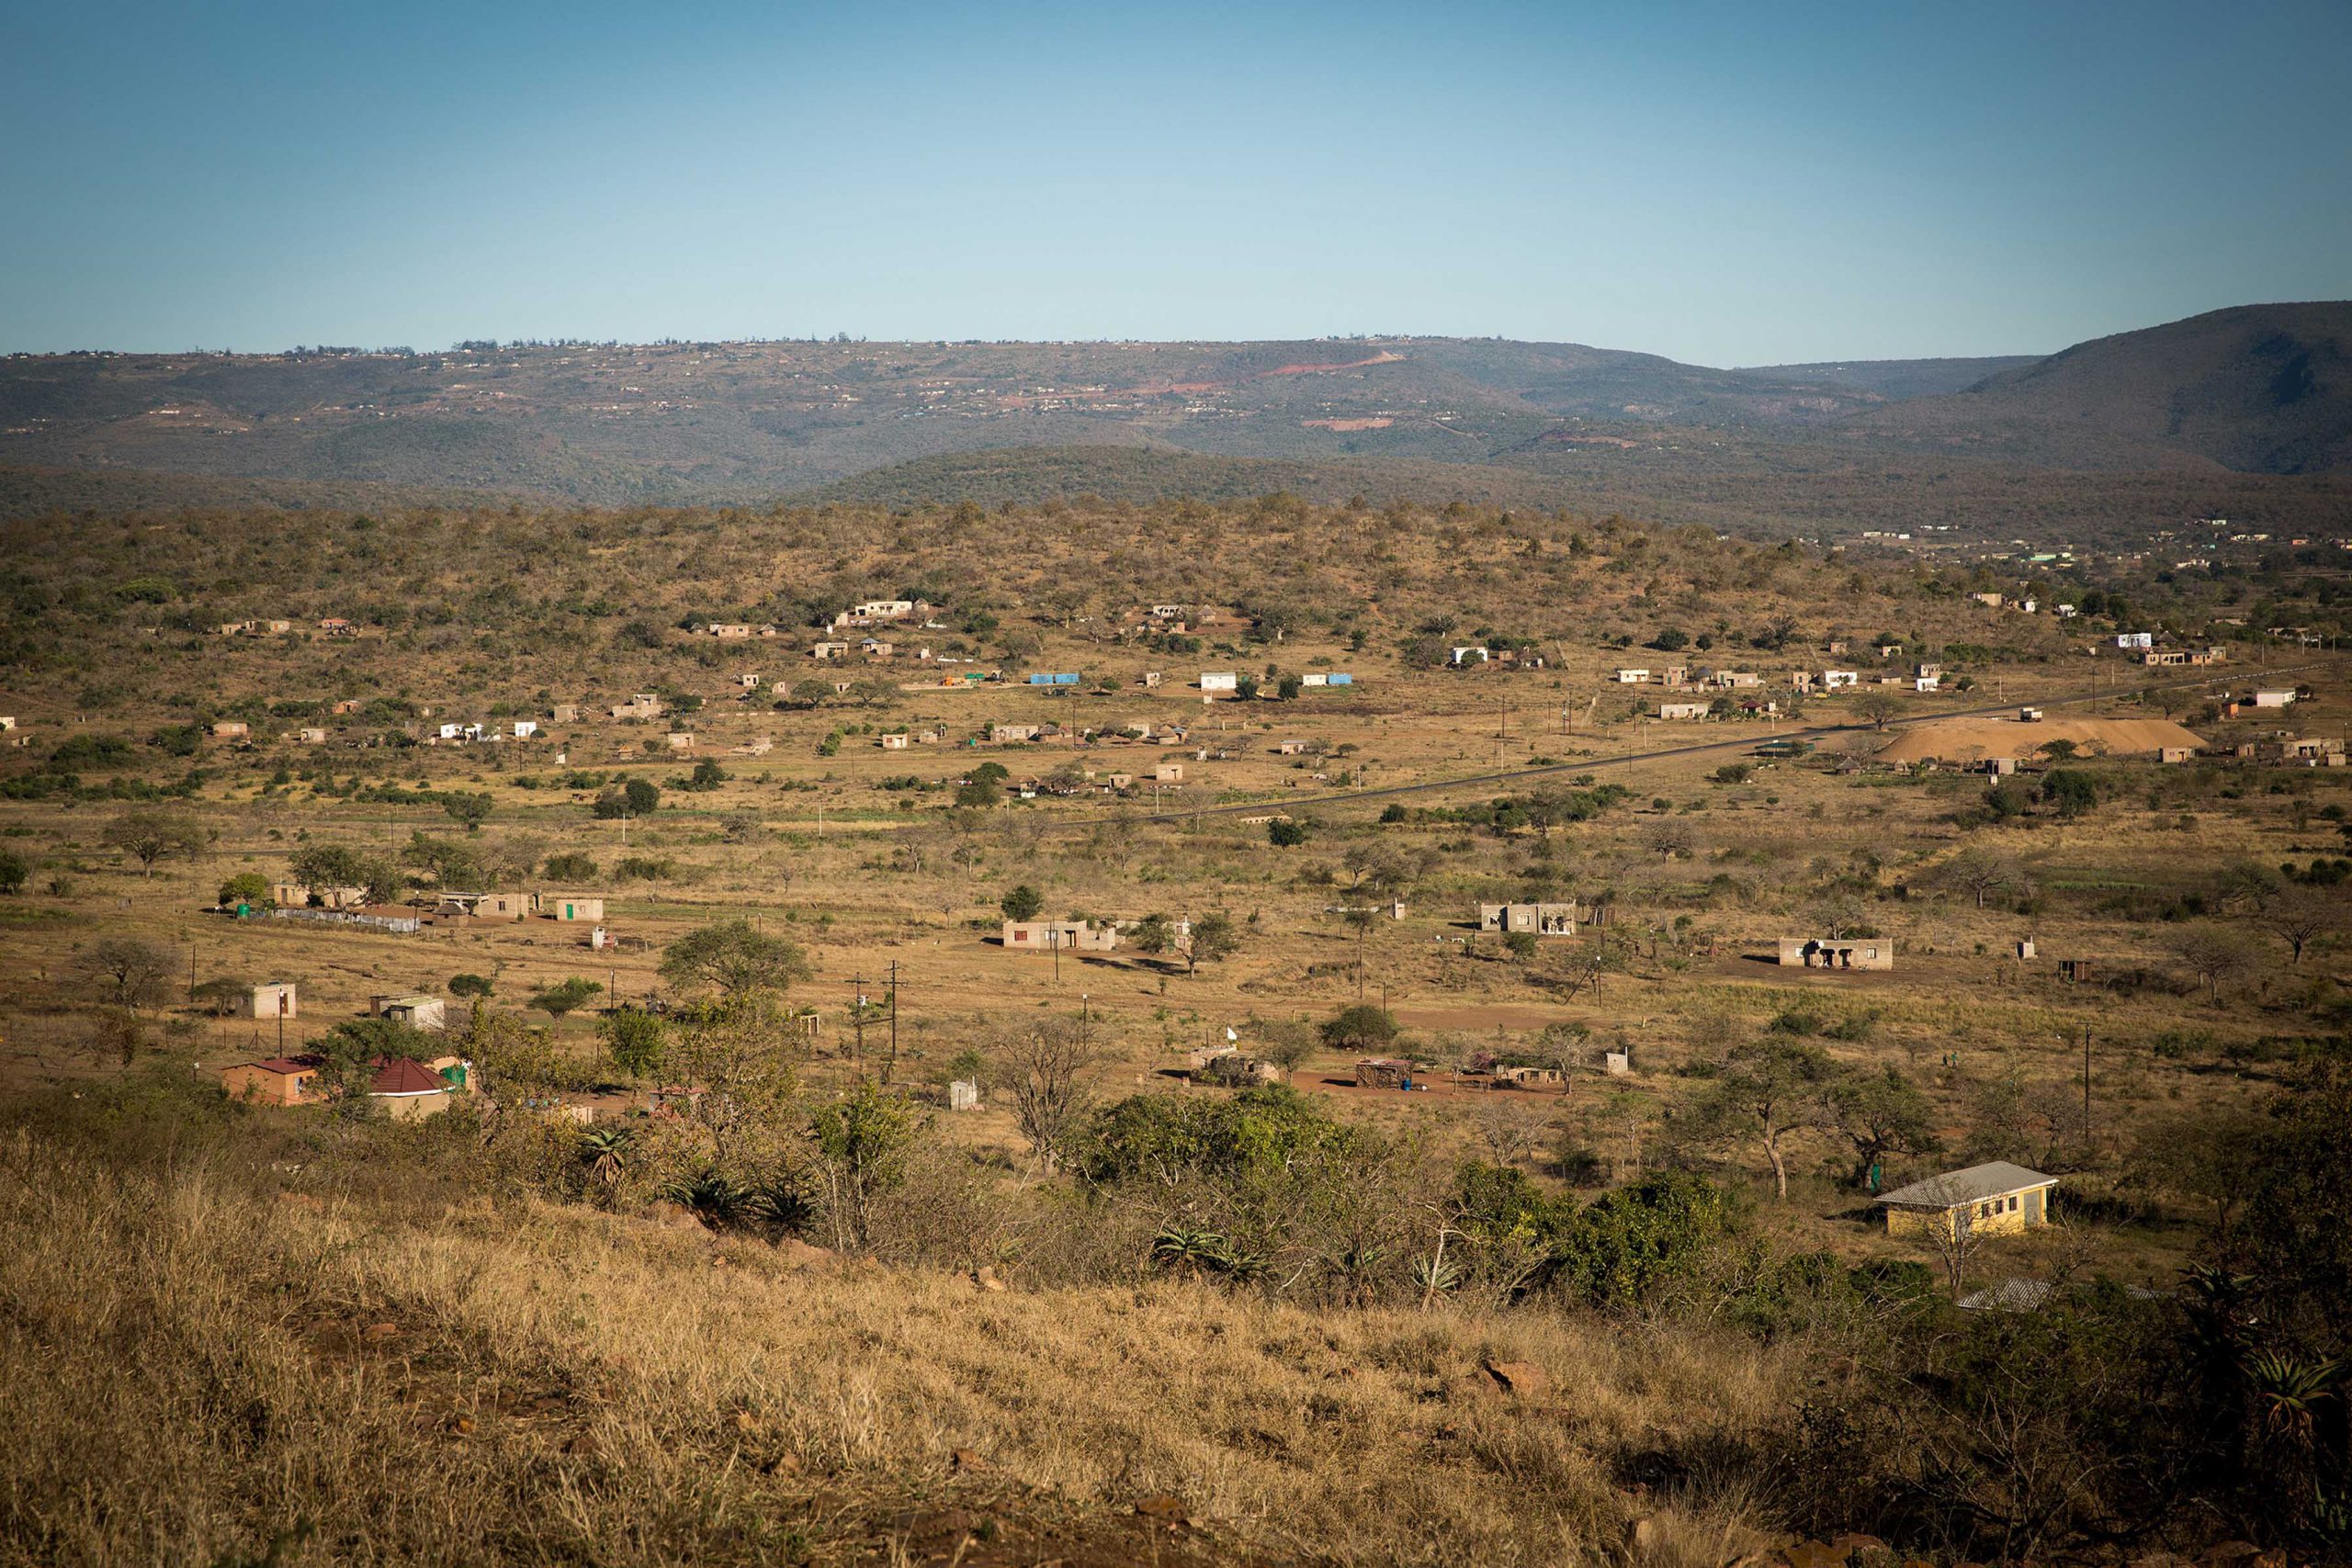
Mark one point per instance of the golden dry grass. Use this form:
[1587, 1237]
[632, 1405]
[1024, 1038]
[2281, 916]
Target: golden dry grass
[203, 1356]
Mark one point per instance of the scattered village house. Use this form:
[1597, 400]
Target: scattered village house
[1079, 936]
[2000, 1198]
[404, 1088]
[1829, 952]
[280, 1080]
[568, 907]
[1543, 919]
[416, 1011]
[299, 895]
[1682, 710]
[644, 705]
[485, 906]
[1070, 936]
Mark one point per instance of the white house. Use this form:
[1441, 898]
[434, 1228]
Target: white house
[1219, 680]
[2274, 699]
[526, 727]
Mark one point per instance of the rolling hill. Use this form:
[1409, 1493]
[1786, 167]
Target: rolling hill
[2261, 391]
[2262, 388]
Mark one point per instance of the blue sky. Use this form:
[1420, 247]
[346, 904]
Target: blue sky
[1723, 183]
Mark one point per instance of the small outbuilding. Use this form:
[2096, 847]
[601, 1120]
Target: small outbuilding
[275, 1000]
[417, 1012]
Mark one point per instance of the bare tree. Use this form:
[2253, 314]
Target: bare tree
[1978, 873]
[1513, 1129]
[2300, 919]
[2220, 957]
[1046, 1068]
[1951, 1233]
[127, 972]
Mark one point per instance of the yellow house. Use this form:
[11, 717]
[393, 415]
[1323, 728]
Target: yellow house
[2000, 1198]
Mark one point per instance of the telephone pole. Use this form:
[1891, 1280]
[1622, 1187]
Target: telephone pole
[857, 1016]
[891, 1065]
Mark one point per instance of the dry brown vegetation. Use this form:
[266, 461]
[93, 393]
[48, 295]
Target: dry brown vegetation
[564, 1376]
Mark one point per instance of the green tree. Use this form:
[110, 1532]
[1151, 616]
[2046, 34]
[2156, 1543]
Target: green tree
[2070, 791]
[1020, 902]
[570, 866]
[13, 869]
[1284, 833]
[469, 985]
[473, 808]
[1882, 1115]
[1521, 945]
[635, 1041]
[1879, 708]
[863, 1142]
[1362, 1027]
[1768, 1091]
[249, 887]
[1215, 939]
[567, 996]
[734, 958]
[322, 867]
[1154, 934]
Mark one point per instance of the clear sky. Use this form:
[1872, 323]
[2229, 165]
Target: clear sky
[1731, 183]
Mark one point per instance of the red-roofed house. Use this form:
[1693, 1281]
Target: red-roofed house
[408, 1090]
[281, 1080]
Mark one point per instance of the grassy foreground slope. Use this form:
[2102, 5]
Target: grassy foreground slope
[358, 1349]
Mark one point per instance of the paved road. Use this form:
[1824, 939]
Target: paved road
[1745, 743]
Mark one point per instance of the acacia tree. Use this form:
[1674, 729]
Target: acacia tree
[127, 972]
[734, 958]
[1879, 707]
[2302, 917]
[1978, 873]
[1880, 1114]
[149, 836]
[1770, 1090]
[2220, 957]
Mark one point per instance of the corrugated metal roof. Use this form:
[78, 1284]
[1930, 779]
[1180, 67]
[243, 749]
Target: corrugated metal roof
[1970, 1186]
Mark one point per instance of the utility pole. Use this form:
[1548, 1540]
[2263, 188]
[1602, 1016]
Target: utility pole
[1054, 943]
[890, 1065]
[857, 1016]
